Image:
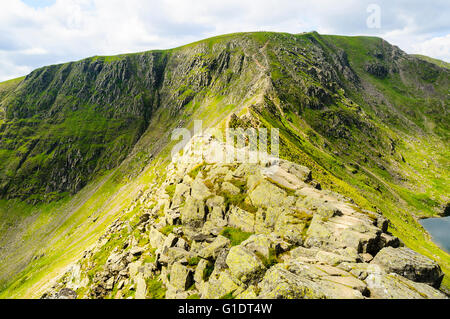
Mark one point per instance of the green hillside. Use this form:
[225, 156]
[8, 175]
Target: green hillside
[438, 62]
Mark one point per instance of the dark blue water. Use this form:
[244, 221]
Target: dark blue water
[439, 229]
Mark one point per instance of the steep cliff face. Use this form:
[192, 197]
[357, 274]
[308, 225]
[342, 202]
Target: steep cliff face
[65, 123]
[368, 120]
[61, 127]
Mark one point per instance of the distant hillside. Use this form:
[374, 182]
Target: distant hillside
[438, 62]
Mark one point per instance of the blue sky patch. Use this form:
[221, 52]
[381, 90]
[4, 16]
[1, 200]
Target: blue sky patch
[39, 3]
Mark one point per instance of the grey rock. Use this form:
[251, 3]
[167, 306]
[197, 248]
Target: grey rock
[193, 212]
[241, 219]
[181, 277]
[141, 287]
[220, 285]
[199, 190]
[200, 270]
[212, 250]
[156, 238]
[260, 244]
[244, 265]
[394, 286]
[180, 194]
[301, 172]
[409, 264]
[266, 194]
[66, 293]
[229, 188]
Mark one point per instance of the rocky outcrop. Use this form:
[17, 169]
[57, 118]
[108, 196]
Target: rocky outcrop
[409, 264]
[300, 279]
[377, 69]
[390, 285]
[257, 230]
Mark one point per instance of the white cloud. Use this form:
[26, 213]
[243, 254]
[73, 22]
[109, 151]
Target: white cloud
[68, 30]
[34, 51]
[438, 47]
[10, 70]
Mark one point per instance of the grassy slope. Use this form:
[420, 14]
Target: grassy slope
[9, 85]
[5, 88]
[438, 62]
[427, 157]
[95, 208]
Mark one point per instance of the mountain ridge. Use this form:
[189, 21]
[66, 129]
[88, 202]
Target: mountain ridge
[327, 94]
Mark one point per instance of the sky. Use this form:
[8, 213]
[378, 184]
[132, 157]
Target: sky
[34, 33]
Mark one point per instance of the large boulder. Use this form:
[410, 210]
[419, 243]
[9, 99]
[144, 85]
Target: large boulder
[297, 280]
[241, 219]
[387, 240]
[259, 244]
[302, 252]
[199, 190]
[216, 209]
[193, 212]
[244, 265]
[169, 242]
[290, 225]
[141, 287]
[135, 268]
[156, 238]
[280, 283]
[221, 261]
[301, 172]
[265, 219]
[342, 231]
[332, 258]
[172, 255]
[267, 194]
[212, 250]
[181, 277]
[181, 192]
[409, 264]
[394, 286]
[331, 282]
[281, 177]
[200, 270]
[220, 285]
[229, 188]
